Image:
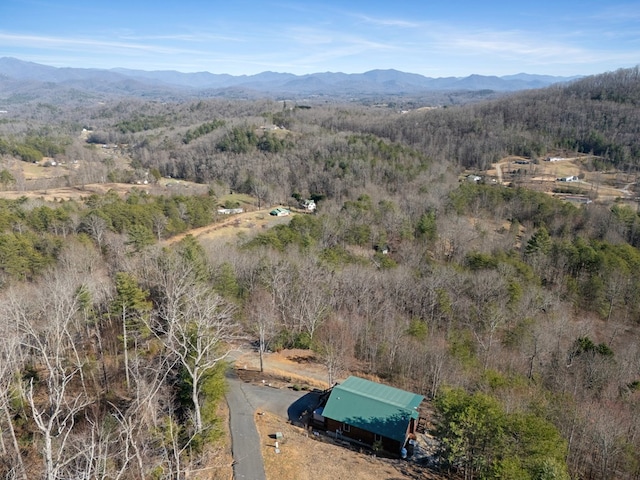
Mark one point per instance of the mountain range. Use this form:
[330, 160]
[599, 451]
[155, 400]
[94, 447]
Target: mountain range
[21, 79]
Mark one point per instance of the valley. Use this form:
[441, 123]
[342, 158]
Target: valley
[480, 255]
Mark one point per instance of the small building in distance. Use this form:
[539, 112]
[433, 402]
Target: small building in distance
[279, 212]
[230, 211]
[570, 178]
[474, 178]
[371, 414]
[308, 205]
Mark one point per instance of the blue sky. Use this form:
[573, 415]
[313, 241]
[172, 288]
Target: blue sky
[432, 38]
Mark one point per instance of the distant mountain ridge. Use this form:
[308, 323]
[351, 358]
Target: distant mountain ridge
[16, 74]
[382, 80]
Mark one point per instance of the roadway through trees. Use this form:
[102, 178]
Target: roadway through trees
[244, 400]
[247, 456]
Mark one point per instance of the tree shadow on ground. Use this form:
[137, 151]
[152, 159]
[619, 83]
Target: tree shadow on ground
[300, 411]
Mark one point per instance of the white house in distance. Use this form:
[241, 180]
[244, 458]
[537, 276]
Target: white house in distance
[474, 178]
[570, 178]
[230, 211]
[308, 205]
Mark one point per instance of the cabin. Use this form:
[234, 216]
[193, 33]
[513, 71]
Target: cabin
[371, 414]
[230, 211]
[308, 205]
[474, 178]
[279, 212]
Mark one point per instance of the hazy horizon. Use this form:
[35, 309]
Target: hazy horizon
[282, 72]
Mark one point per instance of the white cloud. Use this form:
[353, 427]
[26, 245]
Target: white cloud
[51, 42]
[389, 22]
[111, 53]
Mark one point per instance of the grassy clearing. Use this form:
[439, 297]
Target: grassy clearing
[303, 457]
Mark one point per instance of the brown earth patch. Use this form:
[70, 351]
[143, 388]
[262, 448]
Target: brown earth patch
[543, 176]
[79, 192]
[294, 365]
[305, 456]
[218, 457]
[235, 226]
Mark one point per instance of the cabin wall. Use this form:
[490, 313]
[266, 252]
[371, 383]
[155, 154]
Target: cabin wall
[362, 436]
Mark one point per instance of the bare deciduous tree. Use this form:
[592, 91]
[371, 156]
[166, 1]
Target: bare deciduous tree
[198, 337]
[57, 393]
[10, 363]
[262, 320]
[335, 344]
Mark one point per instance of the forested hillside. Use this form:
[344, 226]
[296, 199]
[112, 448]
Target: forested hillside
[515, 312]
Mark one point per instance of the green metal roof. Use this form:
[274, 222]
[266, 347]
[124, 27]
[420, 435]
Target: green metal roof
[373, 407]
[279, 210]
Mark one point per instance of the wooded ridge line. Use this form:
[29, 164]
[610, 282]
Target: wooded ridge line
[205, 84]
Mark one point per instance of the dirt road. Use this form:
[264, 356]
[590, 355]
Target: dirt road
[298, 365]
[234, 225]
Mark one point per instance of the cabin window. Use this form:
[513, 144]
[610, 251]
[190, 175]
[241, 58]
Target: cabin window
[377, 438]
[346, 427]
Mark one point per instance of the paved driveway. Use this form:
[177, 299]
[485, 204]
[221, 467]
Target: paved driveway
[245, 442]
[244, 399]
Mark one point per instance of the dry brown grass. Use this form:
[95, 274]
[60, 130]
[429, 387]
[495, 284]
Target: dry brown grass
[219, 461]
[303, 457]
[37, 171]
[542, 176]
[235, 226]
[73, 193]
[299, 365]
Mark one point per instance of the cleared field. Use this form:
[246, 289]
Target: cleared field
[302, 457]
[235, 226]
[544, 176]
